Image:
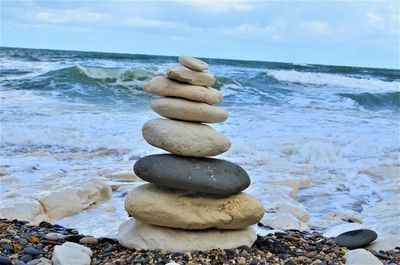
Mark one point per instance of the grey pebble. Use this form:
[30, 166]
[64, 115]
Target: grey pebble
[33, 262]
[5, 260]
[33, 251]
[88, 240]
[26, 258]
[23, 241]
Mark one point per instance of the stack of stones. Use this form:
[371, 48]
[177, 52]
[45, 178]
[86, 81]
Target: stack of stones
[192, 202]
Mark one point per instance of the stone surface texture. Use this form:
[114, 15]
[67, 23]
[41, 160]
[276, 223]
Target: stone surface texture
[162, 86]
[193, 63]
[187, 110]
[185, 138]
[137, 235]
[186, 75]
[207, 175]
[187, 210]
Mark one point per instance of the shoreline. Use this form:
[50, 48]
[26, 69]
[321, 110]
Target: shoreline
[287, 247]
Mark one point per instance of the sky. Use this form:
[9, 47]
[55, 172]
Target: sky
[354, 33]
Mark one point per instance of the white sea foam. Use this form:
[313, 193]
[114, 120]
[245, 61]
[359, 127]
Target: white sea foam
[334, 80]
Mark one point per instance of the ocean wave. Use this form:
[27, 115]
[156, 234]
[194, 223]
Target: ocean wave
[225, 81]
[115, 74]
[333, 80]
[376, 101]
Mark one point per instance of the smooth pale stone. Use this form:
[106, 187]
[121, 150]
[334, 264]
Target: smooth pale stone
[277, 199]
[295, 183]
[189, 210]
[162, 86]
[193, 63]
[185, 138]
[23, 208]
[137, 235]
[72, 199]
[186, 75]
[183, 109]
[356, 238]
[296, 210]
[283, 221]
[383, 217]
[71, 254]
[336, 218]
[385, 243]
[206, 175]
[361, 257]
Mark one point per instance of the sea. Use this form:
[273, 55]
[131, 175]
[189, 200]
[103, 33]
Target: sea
[82, 112]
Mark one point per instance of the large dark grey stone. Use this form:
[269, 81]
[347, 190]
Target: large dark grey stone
[206, 175]
[356, 238]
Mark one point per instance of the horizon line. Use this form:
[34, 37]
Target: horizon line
[227, 59]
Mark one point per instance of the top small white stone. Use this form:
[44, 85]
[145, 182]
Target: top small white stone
[193, 63]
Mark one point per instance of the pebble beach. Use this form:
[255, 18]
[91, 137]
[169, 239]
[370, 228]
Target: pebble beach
[21, 241]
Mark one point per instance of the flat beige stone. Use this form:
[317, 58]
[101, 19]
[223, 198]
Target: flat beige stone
[151, 204]
[193, 63]
[162, 86]
[186, 75]
[137, 235]
[183, 109]
[185, 138]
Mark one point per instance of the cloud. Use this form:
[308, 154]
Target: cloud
[375, 21]
[152, 23]
[79, 15]
[317, 27]
[220, 6]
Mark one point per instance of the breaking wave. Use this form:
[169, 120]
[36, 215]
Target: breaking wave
[333, 80]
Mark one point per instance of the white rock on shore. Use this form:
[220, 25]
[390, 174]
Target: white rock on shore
[137, 235]
[60, 200]
[283, 221]
[23, 208]
[361, 257]
[66, 201]
[71, 254]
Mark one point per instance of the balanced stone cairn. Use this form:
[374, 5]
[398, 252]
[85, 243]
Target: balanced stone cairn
[192, 202]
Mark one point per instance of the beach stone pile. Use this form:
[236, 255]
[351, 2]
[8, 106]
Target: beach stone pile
[192, 202]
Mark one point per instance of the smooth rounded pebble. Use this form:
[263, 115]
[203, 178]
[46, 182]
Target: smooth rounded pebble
[189, 210]
[183, 109]
[162, 86]
[206, 175]
[186, 75]
[185, 138]
[137, 235]
[193, 63]
[361, 257]
[356, 238]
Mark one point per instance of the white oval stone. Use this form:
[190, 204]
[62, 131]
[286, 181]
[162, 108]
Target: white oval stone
[151, 204]
[183, 109]
[162, 86]
[185, 138]
[193, 63]
[186, 75]
[134, 234]
[361, 257]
